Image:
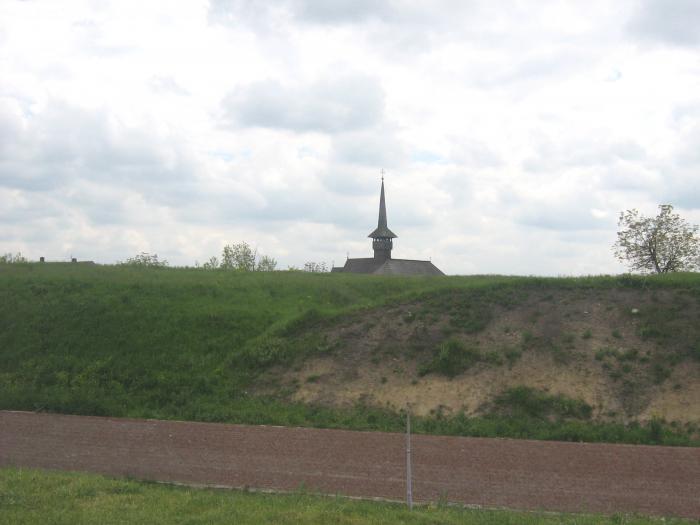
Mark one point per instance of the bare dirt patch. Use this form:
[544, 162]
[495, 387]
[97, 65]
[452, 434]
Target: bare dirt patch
[520, 474]
[590, 345]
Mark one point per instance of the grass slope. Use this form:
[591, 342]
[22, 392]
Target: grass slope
[190, 344]
[157, 342]
[38, 497]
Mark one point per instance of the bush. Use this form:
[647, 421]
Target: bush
[656, 428]
[452, 359]
[695, 352]
[660, 373]
[145, 259]
[8, 258]
[526, 401]
[649, 332]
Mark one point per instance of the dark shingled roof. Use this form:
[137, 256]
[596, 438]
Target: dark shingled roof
[382, 231]
[407, 267]
[366, 265]
[389, 267]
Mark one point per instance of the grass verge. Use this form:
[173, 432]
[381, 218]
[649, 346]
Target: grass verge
[38, 497]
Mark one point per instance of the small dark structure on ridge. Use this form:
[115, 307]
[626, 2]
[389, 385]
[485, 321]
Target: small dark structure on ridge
[382, 263]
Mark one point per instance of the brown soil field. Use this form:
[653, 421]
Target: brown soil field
[519, 474]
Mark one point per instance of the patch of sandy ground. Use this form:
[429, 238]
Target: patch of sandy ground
[362, 371]
[472, 391]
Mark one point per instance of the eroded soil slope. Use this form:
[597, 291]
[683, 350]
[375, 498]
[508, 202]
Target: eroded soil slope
[627, 354]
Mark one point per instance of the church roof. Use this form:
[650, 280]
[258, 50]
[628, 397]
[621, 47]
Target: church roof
[382, 230]
[366, 265]
[389, 267]
[407, 267]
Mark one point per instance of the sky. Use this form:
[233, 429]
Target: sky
[512, 133]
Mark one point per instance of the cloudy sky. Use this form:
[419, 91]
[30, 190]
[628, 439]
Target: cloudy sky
[512, 133]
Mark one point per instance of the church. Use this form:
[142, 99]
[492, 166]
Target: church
[382, 244]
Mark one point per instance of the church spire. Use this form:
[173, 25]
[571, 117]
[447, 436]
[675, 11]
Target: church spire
[381, 223]
[382, 243]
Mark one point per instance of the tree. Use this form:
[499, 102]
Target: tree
[8, 258]
[211, 264]
[266, 264]
[315, 267]
[239, 256]
[661, 244]
[145, 259]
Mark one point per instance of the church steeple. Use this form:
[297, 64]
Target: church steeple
[382, 263]
[382, 237]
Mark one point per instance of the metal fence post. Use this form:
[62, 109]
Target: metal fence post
[409, 480]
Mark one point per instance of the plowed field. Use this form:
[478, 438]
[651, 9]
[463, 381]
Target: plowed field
[518, 474]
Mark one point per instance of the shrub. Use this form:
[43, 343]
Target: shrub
[8, 258]
[656, 428]
[526, 401]
[512, 355]
[559, 354]
[649, 332]
[493, 358]
[145, 259]
[695, 352]
[629, 355]
[452, 359]
[660, 373]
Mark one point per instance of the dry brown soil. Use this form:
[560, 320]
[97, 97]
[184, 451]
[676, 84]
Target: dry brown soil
[378, 353]
[518, 474]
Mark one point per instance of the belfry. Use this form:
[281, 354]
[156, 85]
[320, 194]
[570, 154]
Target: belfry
[382, 237]
[382, 243]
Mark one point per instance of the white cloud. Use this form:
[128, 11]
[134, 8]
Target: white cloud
[672, 22]
[512, 133]
[330, 105]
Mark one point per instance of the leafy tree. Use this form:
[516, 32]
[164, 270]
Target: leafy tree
[8, 258]
[145, 259]
[211, 264]
[266, 264]
[661, 244]
[239, 256]
[315, 267]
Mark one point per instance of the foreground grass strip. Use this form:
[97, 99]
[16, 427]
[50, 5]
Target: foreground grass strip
[35, 496]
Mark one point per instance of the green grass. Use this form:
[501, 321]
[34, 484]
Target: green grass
[528, 402]
[159, 342]
[451, 359]
[39, 497]
[177, 343]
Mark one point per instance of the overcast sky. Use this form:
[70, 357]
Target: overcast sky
[512, 132]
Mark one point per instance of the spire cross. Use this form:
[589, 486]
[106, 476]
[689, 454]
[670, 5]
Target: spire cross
[382, 172]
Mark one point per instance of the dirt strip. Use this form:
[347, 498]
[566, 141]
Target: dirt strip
[518, 474]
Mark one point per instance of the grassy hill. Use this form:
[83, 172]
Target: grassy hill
[600, 358]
